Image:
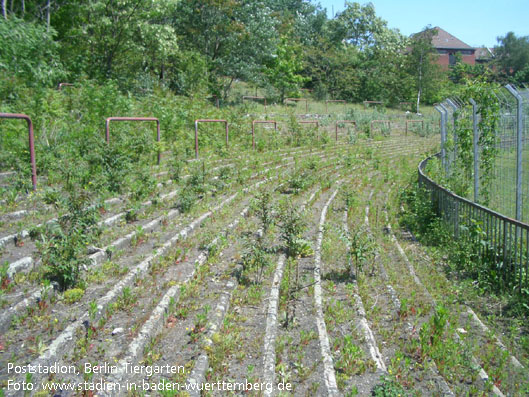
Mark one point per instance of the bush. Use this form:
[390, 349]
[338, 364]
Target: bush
[29, 53]
[73, 295]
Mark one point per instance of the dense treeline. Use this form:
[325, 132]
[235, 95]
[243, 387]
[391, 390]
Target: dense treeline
[202, 46]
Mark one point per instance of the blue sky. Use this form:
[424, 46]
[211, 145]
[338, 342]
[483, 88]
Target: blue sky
[475, 22]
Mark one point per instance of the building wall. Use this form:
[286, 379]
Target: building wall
[444, 59]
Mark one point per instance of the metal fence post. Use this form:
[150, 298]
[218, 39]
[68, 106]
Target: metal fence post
[519, 132]
[455, 108]
[444, 118]
[475, 143]
[31, 137]
[109, 119]
[208, 121]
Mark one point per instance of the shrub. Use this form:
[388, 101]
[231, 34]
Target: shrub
[73, 295]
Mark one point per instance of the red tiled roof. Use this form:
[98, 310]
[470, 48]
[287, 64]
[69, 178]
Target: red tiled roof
[445, 40]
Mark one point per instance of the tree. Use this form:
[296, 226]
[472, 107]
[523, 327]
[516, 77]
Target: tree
[29, 52]
[358, 25]
[422, 66]
[283, 71]
[119, 39]
[512, 54]
[236, 37]
[384, 73]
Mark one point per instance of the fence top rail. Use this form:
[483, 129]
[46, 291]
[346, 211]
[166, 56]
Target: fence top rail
[210, 121]
[132, 119]
[33, 163]
[64, 85]
[15, 116]
[252, 97]
[504, 218]
[264, 122]
[296, 99]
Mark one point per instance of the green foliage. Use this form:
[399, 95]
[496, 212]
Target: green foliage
[488, 111]
[351, 360]
[512, 56]
[292, 226]
[361, 251]
[427, 75]
[389, 387]
[62, 244]
[283, 70]
[73, 295]
[254, 260]
[29, 55]
[264, 209]
[234, 36]
[471, 256]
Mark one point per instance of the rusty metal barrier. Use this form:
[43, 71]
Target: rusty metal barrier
[404, 104]
[31, 143]
[208, 121]
[64, 85]
[109, 119]
[414, 121]
[380, 122]
[372, 103]
[333, 100]
[216, 98]
[343, 122]
[310, 122]
[255, 97]
[507, 237]
[261, 122]
[298, 100]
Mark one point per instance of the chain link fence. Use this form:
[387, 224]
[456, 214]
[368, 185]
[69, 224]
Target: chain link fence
[489, 204]
[506, 189]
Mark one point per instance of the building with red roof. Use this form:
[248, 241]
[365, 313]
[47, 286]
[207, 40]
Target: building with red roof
[447, 46]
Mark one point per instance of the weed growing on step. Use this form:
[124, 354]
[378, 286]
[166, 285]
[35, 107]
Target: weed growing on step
[361, 251]
[62, 244]
[292, 226]
[264, 209]
[254, 261]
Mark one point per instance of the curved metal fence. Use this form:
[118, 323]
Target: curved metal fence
[507, 191]
[503, 241]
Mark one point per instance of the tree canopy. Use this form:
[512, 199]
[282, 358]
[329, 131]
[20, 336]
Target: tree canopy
[203, 46]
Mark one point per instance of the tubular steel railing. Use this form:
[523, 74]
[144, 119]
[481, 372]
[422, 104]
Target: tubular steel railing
[254, 122]
[383, 122]
[255, 97]
[208, 121]
[414, 122]
[298, 100]
[109, 119]
[31, 136]
[334, 101]
[61, 85]
[343, 122]
[504, 242]
[367, 103]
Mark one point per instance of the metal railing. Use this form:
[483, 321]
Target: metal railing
[505, 186]
[31, 137]
[503, 242]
